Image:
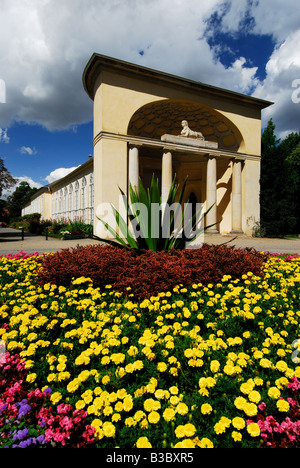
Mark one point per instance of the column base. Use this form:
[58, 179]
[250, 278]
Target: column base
[211, 231]
[237, 232]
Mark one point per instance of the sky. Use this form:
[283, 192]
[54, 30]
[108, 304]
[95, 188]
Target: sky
[46, 129]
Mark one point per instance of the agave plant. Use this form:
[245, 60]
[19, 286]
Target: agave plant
[154, 225]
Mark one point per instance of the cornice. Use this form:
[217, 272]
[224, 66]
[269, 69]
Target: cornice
[173, 147]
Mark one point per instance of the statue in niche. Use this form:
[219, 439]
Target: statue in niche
[187, 132]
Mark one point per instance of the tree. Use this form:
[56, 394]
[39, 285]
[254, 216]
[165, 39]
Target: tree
[279, 184]
[18, 198]
[6, 179]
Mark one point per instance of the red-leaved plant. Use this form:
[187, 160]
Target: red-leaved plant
[151, 272]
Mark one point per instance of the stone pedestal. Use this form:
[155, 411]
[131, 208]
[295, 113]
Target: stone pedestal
[196, 142]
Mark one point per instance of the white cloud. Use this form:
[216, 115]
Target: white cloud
[4, 138]
[53, 40]
[59, 173]
[7, 192]
[45, 45]
[28, 150]
[283, 69]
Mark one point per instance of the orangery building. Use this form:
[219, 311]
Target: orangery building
[147, 122]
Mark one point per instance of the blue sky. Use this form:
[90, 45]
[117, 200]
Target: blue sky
[249, 46]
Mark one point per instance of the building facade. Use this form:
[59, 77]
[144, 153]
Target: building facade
[69, 198]
[146, 122]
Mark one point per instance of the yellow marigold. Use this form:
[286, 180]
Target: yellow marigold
[253, 429]
[250, 409]
[205, 443]
[109, 429]
[31, 377]
[153, 417]
[55, 397]
[182, 408]
[206, 408]
[105, 380]
[283, 406]
[186, 443]
[80, 404]
[128, 403]
[238, 423]
[143, 442]
[73, 385]
[274, 393]
[151, 405]
[161, 367]
[222, 425]
[254, 396]
[169, 414]
[237, 436]
[240, 403]
[180, 432]
[84, 375]
[266, 363]
[281, 366]
[214, 366]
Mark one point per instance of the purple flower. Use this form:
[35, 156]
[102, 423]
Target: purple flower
[20, 435]
[24, 408]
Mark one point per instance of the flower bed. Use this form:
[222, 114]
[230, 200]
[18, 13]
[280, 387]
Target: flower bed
[197, 365]
[150, 273]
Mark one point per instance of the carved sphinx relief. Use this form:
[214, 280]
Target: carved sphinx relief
[167, 117]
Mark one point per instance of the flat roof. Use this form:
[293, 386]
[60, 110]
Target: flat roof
[99, 62]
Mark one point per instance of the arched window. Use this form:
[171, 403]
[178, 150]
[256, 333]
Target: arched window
[76, 199]
[91, 197]
[60, 204]
[66, 203]
[71, 214]
[83, 200]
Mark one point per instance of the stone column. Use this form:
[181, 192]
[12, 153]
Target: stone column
[211, 194]
[166, 175]
[236, 201]
[133, 167]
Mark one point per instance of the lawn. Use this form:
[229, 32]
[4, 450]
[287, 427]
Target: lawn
[197, 365]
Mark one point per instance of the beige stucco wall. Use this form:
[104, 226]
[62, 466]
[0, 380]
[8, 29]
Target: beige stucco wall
[39, 204]
[124, 94]
[118, 97]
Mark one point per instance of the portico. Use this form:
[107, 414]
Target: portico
[208, 162]
[138, 115]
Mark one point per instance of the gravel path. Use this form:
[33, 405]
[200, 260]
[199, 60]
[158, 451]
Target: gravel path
[39, 244]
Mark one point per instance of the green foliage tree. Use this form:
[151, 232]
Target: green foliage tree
[6, 179]
[280, 181]
[19, 198]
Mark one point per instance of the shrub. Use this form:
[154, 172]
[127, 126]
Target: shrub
[151, 272]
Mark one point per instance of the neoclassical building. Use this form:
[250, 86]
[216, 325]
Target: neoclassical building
[71, 197]
[146, 122]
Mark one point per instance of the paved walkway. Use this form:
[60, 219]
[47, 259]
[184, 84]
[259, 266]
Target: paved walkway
[39, 244]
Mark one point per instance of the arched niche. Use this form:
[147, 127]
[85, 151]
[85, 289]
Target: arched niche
[158, 118]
